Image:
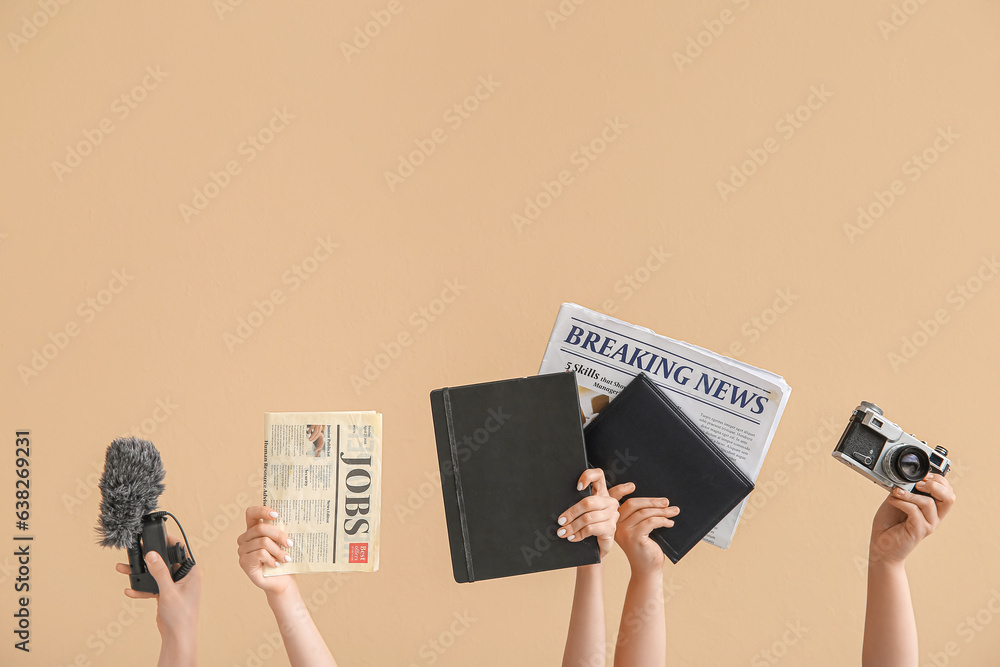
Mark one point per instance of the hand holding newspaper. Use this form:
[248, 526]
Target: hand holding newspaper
[735, 404]
[323, 476]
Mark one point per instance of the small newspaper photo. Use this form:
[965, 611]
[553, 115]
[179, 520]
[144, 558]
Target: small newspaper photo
[323, 476]
[735, 404]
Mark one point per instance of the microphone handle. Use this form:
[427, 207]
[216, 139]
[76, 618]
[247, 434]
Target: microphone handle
[154, 538]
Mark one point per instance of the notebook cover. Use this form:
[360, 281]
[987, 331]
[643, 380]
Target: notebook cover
[510, 454]
[644, 438]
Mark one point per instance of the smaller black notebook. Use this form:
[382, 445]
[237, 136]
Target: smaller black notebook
[643, 438]
[511, 453]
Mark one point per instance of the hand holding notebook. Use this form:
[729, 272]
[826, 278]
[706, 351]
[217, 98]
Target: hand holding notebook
[596, 515]
[642, 437]
[511, 454]
[638, 517]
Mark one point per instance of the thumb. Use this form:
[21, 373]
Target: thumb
[622, 490]
[159, 570]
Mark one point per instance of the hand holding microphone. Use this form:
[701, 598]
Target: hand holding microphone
[159, 566]
[130, 490]
[177, 607]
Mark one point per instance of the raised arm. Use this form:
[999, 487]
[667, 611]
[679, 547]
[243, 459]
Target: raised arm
[903, 520]
[597, 515]
[257, 547]
[176, 610]
[642, 638]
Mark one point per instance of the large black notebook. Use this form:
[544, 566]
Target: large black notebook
[511, 453]
[643, 437]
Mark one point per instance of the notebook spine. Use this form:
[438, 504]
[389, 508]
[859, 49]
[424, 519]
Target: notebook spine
[459, 496]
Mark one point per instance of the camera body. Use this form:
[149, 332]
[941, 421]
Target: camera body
[886, 454]
[153, 537]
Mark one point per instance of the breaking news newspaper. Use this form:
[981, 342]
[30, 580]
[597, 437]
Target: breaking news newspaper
[323, 476]
[737, 405]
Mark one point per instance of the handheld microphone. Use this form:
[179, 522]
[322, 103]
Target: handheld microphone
[130, 491]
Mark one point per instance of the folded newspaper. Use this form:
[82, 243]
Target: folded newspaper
[737, 405]
[323, 476]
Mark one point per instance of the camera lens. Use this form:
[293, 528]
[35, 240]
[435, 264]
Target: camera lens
[910, 463]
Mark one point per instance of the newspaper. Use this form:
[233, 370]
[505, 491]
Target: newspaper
[323, 476]
[737, 405]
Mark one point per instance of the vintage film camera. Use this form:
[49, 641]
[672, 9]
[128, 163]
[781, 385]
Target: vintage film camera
[884, 453]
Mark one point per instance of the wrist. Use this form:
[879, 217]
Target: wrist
[179, 646]
[284, 597]
[647, 574]
[179, 631]
[883, 557]
[884, 564]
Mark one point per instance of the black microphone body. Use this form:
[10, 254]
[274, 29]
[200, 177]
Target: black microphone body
[154, 538]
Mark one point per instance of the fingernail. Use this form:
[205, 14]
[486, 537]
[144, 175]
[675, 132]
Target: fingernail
[930, 476]
[152, 557]
[922, 483]
[274, 515]
[561, 532]
[572, 537]
[579, 487]
[288, 542]
[562, 520]
[288, 559]
[898, 492]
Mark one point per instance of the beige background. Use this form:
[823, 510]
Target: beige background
[797, 560]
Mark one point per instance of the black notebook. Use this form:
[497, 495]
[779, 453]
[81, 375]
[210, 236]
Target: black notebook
[511, 453]
[643, 438]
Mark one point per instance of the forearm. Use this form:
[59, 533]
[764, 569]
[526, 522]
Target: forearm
[179, 649]
[890, 627]
[642, 635]
[303, 643]
[586, 637]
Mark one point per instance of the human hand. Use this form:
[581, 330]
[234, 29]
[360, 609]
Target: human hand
[904, 519]
[315, 435]
[638, 518]
[258, 546]
[177, 602]
[595, 515]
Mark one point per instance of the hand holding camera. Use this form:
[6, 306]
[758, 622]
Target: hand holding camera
[919, 498]
[904, 519]
[912, 471]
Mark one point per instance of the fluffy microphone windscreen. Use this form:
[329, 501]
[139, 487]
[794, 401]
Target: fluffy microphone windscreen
[130, 488]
